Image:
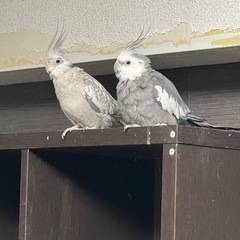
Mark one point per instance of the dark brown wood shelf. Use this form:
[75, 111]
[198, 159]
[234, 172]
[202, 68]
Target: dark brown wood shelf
[117, 136]
[146, 183]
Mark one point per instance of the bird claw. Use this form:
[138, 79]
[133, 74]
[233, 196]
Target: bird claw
[76, 127]
[126, 127]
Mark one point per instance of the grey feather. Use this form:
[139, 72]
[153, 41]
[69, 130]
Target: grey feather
[98, 97]
[138, 102]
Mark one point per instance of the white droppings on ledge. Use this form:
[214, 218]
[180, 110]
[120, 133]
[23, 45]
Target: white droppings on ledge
[48, 137]
[148, 136]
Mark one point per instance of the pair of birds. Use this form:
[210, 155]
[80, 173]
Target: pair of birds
[145, 97]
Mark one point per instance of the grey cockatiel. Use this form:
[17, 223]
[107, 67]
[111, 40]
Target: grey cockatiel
[146, 97]
[85, 102]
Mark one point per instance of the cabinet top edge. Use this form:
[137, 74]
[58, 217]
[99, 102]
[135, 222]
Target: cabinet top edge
[189, 135]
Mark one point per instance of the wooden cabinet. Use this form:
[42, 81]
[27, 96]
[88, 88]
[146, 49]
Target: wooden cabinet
[147, 183]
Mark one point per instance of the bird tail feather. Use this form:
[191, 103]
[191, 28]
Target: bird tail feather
[197, 121]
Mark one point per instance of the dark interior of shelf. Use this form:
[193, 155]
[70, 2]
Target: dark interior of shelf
[9, 194]
[100, 197]
[119, 151]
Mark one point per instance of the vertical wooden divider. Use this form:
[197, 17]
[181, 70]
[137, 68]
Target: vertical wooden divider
[169, 178]
[23, 195]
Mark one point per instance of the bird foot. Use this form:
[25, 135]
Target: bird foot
[76, 127]
[126, 127]
[160, 124]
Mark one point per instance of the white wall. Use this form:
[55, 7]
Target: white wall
[98, 29]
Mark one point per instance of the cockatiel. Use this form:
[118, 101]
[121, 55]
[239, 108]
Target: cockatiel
[84, 101]
[146, 97]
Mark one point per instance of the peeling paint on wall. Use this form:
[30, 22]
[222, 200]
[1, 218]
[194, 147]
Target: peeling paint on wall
[26, 47]
[23, 47]
[231, 41]
[181, 34]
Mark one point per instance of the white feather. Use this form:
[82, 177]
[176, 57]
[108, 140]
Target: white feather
[131, 71]
[169, 103]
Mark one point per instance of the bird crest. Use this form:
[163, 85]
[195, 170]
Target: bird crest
[133, 45]
[56, 63]
[55, 46]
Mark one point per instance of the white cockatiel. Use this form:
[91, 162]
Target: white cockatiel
[85, 102]
[146, 97]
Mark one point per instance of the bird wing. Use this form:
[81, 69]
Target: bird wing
[98, 97]
[167, 96]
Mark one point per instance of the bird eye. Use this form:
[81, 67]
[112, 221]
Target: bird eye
[57, 61]
[128, 62]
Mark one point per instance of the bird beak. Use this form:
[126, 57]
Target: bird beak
[49, 60]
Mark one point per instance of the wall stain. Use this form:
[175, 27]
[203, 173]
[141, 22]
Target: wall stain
[14, 62]
[231, 41]
[181, 34]
[28, 46]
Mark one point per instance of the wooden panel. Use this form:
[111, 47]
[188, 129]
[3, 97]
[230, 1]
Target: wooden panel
[214, 77]
[209, 137]
[113, 137]
[91, 137]
[207, 194]
[168, 209]
[74, 196]
[24, 185]
[218, 107]
[29, 107]
[215, 92]
[9, 194]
